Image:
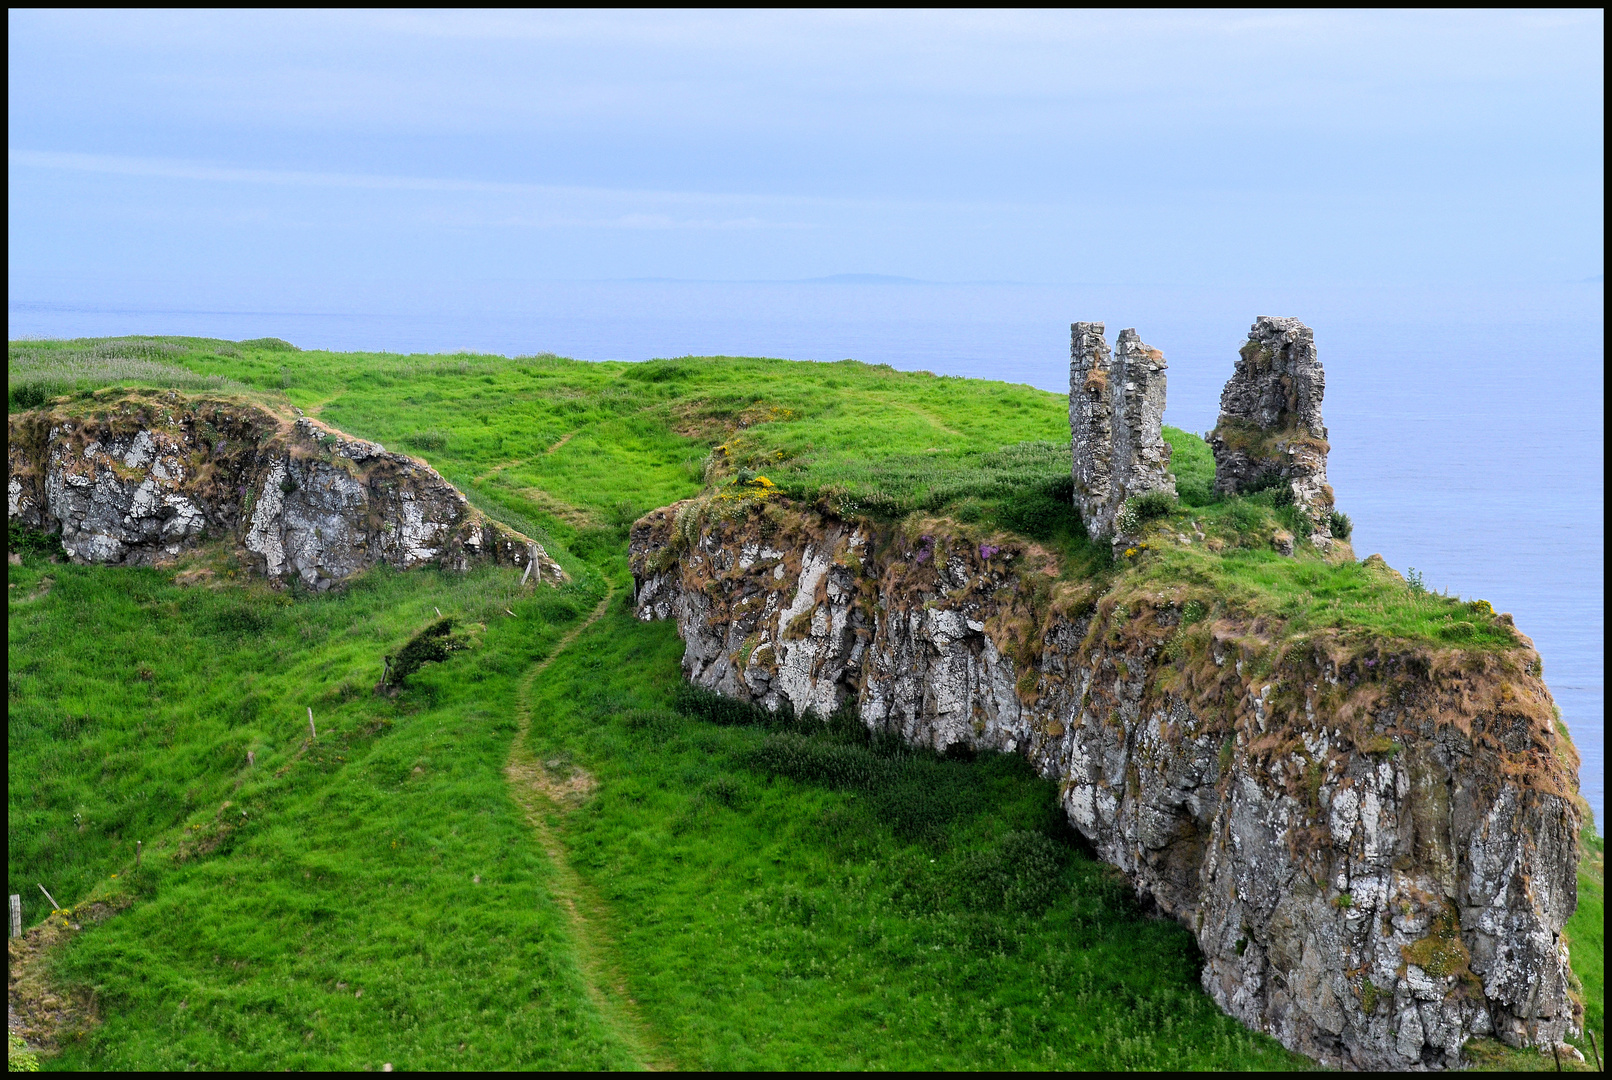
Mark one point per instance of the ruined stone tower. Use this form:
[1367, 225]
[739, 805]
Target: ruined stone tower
[1116, 405]
[1270, 431]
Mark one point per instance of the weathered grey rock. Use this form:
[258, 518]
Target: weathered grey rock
[143, 479]
[1270, 425]
[1116, 407]
[1377, 859]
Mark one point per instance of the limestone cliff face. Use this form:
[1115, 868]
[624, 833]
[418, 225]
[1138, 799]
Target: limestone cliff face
[1375, 849]
[142, 479]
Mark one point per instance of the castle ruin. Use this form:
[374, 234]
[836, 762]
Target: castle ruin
[1116, 406]
[1270, 432]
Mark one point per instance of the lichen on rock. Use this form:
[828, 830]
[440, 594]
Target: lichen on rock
[143, 478]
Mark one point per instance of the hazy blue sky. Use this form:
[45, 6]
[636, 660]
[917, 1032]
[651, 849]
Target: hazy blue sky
[286, 159]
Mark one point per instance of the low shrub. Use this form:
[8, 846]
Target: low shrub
[25, 541]
[659, 371]
[658, 725]
[1153, 504]
[1294, 520]
[24, 396]
[702, 704]
[1271, 488]
[431, 645]
[729, 791]
[916, 794]
[1339, 524]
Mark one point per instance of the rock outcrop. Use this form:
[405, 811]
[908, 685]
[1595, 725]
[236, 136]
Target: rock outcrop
[142, 479]
[1270, 430]
[1376, 848]
[1116, 407]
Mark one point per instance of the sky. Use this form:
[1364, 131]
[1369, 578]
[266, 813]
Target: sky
[296, 159]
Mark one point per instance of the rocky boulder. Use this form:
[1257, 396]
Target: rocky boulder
[143, 478]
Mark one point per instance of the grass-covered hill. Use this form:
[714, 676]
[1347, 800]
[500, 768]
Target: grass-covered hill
[542, 852]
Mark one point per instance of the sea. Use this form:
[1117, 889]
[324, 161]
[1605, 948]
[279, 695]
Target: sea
[1466, 423]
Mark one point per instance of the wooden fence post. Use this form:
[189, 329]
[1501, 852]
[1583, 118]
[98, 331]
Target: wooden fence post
[139, 849]
[16, 915]
[54, 906]
[251, 758]
[311, 730]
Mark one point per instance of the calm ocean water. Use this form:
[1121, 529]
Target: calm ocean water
[1466, 424]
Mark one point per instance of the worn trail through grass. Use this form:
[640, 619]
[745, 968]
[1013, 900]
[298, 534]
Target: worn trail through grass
[539, 788]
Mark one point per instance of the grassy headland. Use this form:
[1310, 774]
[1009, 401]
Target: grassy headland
[765, 908]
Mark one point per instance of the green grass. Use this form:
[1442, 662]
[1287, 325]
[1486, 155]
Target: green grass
[1586, 935]
[270, 895]
[775, 899]
[793, 900]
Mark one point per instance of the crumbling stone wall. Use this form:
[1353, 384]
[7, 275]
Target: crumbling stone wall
[1270, 430]
[143, 479]
[1116, 407]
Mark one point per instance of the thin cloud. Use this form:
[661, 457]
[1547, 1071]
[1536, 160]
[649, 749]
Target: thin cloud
[178, 169]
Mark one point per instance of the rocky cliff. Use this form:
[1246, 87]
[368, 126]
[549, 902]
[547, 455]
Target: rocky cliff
[141, 478]
[1375, 845]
